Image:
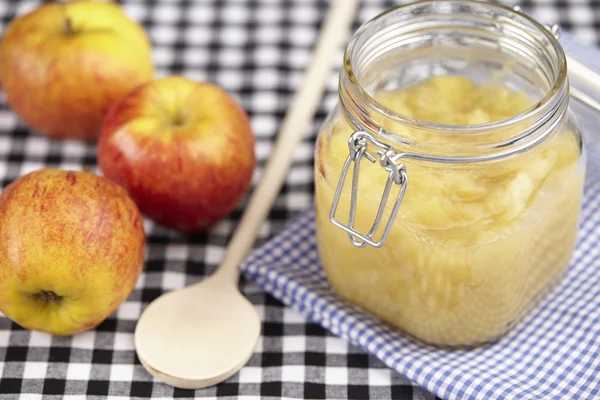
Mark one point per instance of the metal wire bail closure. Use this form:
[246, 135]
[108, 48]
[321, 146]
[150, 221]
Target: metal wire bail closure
[389, 160]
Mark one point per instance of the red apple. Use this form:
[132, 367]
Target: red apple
[71, 250]
[64, 64]
[183, 150]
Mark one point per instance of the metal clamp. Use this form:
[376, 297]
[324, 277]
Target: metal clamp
[389, 160]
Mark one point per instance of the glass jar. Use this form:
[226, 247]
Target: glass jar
[449, 179]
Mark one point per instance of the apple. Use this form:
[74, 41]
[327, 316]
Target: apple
[71, 250]
[63, 64]
[183, 150]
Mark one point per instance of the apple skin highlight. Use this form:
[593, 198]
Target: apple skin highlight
[71, 250]
[183, 150]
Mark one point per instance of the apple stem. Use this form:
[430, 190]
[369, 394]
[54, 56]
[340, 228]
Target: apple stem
[69, 26]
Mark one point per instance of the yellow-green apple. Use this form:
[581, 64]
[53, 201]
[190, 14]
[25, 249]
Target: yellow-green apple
[63, 64]
[71, 250]
[184, 151]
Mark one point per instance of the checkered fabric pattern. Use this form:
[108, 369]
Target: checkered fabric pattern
[257, 50]
[553, 354]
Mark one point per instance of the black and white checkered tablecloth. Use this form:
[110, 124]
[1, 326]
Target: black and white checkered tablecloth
[257, 50]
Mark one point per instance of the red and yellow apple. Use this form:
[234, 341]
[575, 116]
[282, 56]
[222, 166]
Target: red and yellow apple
[71, 250]
[64, 64]
[183, 150]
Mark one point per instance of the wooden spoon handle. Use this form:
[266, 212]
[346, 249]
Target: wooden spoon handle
[300, 113]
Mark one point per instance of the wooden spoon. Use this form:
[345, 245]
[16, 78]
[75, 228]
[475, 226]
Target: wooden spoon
[203, 334]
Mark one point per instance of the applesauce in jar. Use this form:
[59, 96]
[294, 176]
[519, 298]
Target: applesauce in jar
[449, 179]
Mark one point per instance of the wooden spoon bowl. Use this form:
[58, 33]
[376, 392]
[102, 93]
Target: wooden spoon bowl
[201, 335]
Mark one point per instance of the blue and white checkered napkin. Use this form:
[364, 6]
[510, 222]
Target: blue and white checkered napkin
[554, 353]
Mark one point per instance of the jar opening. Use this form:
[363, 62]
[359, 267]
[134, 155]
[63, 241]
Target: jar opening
[409, 43]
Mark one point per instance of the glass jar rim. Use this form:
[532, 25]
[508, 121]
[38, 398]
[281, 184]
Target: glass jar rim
[549, 97]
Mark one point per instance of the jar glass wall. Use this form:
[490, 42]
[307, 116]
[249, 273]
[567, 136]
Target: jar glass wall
[469, 101]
